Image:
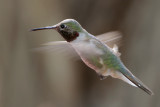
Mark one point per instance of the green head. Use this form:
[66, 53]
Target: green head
[68, 28]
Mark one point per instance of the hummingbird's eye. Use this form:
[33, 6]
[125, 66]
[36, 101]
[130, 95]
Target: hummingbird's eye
[62, 26]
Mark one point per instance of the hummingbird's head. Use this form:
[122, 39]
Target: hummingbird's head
[68, 28]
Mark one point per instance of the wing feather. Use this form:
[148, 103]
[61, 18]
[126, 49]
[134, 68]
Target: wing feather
[111, 38]
[64, 47]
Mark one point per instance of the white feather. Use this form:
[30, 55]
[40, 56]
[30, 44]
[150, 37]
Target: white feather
[117, 74]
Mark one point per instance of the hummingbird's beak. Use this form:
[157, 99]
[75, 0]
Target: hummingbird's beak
[43, 28]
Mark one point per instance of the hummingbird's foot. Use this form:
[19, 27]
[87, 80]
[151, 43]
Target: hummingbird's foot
[102, 77]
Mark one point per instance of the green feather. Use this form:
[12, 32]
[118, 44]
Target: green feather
[96, 62]
[74, 25]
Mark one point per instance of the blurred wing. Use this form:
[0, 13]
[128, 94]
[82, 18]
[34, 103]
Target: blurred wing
[58, 47]
[52, 46]
[64, 47]
[111, 38]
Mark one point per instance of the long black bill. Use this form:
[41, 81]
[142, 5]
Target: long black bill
[43, 28]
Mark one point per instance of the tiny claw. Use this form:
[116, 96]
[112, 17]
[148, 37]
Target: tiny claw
[102, 77]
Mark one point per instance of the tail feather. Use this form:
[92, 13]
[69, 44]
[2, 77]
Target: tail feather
[136, 81]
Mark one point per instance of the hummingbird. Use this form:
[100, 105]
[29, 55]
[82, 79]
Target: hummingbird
[95, 52]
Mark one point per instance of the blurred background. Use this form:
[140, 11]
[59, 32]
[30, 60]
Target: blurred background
[46, 79]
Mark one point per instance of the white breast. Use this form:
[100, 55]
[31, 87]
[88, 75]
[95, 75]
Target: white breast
[85, 45]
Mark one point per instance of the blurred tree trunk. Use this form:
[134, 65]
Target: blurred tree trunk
[18, 78]
[141, 27]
